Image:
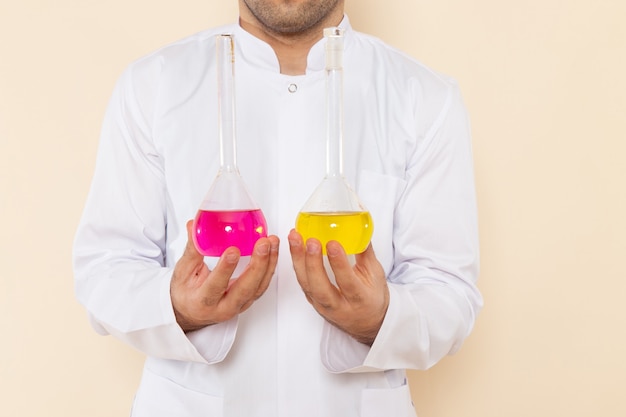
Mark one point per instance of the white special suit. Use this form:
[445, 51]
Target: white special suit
[407, 153]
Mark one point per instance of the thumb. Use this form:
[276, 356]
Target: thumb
[367, 258]
[366, 255]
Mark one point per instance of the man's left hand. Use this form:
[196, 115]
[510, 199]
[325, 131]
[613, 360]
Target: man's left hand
[359, 301]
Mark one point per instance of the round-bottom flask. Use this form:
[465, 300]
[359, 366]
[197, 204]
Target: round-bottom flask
[227, 216]
[334, 212]
[217, 230]
[352, 229]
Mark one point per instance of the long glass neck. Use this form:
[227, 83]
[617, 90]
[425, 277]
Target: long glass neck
[334, 102]
[334, 146]
[226, 102]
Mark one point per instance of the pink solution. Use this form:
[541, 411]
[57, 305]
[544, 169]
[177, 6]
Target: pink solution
[214, 231]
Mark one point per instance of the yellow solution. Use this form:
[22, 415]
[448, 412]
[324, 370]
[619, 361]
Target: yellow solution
[352, 229]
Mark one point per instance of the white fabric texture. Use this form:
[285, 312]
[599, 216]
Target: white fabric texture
[407, 152]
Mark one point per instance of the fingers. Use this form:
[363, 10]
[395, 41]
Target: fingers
[271, 266]
[355, 280]
[190, 267]
[296, 248]
[321, 289]
[310, 272]
[262, 264]
[216, 285]
[358, 304]
[347, 281]
[255, 279]
[190, 248]
[368, 266]
[201, 296]
[367, 258]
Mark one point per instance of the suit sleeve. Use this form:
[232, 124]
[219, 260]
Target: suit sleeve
[433, 295]
[121, 277]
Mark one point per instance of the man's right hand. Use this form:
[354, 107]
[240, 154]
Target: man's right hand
[202, 297]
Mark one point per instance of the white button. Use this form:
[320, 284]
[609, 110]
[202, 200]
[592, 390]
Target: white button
[292, 88]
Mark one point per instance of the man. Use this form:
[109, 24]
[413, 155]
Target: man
[282, 339]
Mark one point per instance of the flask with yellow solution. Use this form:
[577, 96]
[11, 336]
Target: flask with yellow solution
[334, 212]
[352, 229]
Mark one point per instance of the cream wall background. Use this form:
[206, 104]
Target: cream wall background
[544, 83]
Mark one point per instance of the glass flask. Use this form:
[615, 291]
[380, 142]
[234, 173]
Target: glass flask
[228, 216]
[333, 211]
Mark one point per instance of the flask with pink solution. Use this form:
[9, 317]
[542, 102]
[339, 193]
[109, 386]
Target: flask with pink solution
[228, 216]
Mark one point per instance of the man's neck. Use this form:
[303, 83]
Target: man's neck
[292, 50]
